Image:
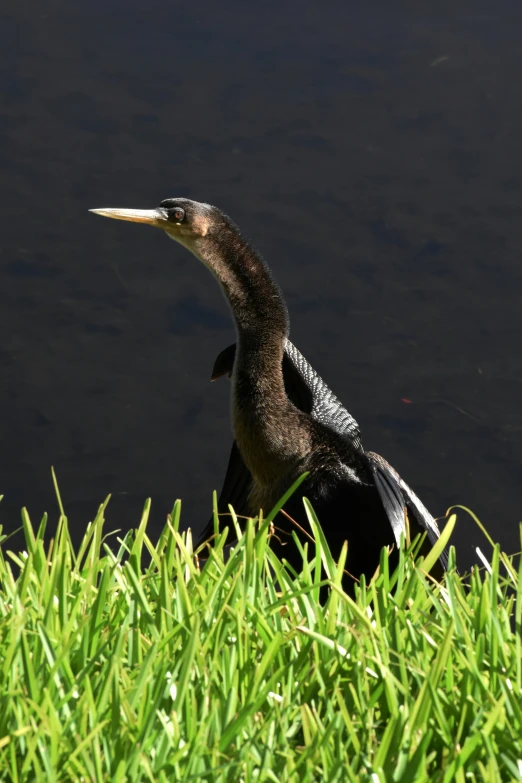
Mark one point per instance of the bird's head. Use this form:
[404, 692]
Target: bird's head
[216, 241]
[184, 220]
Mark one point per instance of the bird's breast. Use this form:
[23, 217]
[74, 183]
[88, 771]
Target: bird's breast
[272, 446]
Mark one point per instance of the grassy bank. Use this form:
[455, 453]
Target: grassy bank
[115, 672]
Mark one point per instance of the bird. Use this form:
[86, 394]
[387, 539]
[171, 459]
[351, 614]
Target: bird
[286, 421]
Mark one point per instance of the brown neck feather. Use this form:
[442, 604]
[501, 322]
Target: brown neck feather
[254, 297]
[262, 414]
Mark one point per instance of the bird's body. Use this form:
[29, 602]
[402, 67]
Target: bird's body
[355, 493]
[286, 421]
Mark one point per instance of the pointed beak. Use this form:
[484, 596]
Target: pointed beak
[153, 217]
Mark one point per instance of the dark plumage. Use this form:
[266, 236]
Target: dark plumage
[285, 419]
[384, 504]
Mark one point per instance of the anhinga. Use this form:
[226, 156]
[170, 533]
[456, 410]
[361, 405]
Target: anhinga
[285, 419]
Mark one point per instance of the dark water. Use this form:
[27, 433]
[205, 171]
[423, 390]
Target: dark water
[373, 154]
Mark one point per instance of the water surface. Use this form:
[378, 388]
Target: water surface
[372, 153]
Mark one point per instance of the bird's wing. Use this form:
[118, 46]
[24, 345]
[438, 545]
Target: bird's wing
[398, 497]
[224, 363]
[305, 388]
[325, 406]
[391, 497]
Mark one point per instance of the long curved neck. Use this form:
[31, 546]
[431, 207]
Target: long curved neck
[261, 410]
[254, 297]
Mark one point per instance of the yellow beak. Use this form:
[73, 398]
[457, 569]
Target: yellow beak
[153, 217]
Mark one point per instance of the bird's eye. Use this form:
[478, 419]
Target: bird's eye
[178, 214]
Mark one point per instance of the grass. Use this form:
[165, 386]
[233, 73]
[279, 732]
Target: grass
[113, 671]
